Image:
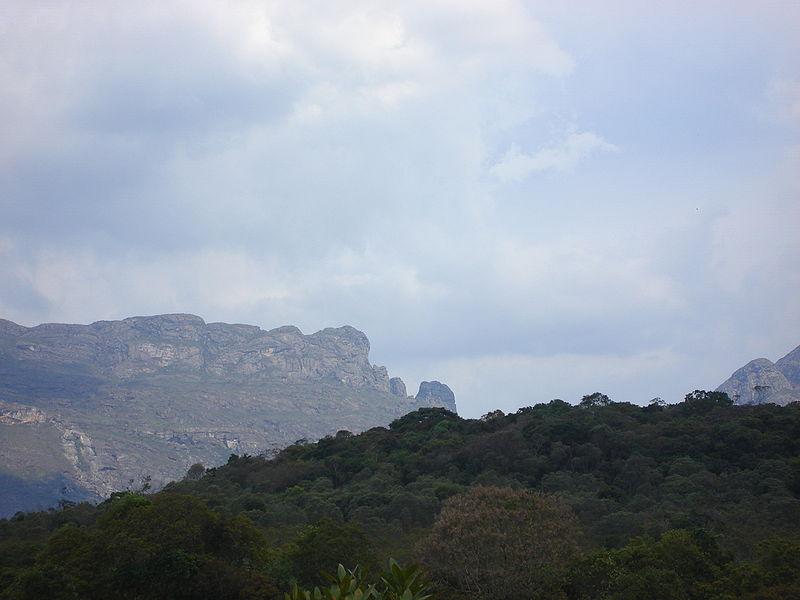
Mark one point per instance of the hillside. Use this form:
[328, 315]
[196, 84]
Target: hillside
[627, 470]
[86, 410]
[713, 488]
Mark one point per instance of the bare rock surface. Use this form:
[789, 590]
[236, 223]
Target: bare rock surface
[93, 409]
[397, 387]
[433, 393]
[789, 365]
[762, 381]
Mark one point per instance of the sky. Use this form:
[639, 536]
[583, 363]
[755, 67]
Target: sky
[525, 200]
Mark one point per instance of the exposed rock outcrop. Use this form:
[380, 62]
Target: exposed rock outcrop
[397, 387]
[433, 393]
[144, 345]
[789, 365]
[760, 381]
[118, 401]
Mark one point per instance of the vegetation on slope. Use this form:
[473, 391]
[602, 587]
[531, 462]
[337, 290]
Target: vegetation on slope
[601, 500]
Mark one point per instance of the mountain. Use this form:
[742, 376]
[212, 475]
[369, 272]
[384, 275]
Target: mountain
[761, 381]
[86, 410]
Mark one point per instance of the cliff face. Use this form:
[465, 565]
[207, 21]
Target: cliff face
[147, 345]
[96, 408]
[433, 393]
[761, 381]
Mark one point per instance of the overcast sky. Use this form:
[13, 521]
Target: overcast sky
[524, 200]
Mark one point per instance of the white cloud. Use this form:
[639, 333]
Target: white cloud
[783, 101]
[326, 163]
[583, 276]
[516, 165]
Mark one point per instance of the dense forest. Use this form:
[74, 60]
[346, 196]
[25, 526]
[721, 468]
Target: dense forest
[609, 500]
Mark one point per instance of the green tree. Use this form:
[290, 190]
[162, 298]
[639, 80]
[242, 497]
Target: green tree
[679, 565]
[595, 400]
[701, 401]
[492, 542]
[326, 544]
[397, 583]
[168, 546]
[195, 472]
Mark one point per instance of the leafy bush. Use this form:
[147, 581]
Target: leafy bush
[396, 583]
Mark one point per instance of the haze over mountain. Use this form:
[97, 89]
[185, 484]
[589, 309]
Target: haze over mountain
[86, 410]
[761, 381]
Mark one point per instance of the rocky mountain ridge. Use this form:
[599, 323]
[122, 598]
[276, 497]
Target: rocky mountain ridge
[762, 381]
[86, 410]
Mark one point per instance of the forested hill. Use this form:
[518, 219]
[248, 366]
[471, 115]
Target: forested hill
[625, 469]
[695, 500]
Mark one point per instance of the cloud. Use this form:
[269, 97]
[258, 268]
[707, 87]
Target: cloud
[783, 101]
[329, 163]
[268, 117]
[516, 165]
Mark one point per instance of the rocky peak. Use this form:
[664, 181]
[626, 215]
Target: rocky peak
[397, 387]
[284, 331]
[761, 381]
[434, 393]
[347, 340]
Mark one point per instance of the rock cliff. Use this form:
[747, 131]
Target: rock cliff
[86, 410]
[434, 393]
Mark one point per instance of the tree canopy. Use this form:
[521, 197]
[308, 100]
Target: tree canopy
[695, 500]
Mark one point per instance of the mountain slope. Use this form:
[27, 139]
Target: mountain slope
[789, 365]
[762, 381]
[97, 408]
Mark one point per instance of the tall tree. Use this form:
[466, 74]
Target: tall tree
[493, 542]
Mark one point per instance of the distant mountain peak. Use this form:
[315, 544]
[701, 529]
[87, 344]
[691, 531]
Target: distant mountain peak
[437, 393]
[762, 381]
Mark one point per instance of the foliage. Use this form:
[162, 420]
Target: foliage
[685, 564]
[625, 470]
[397, 583]
[404, 583]
[165, 546]
[321, 547]
[195, 472]
[486, 534]
[646, 485]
